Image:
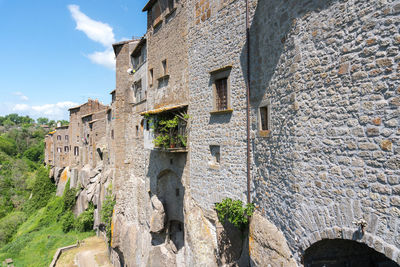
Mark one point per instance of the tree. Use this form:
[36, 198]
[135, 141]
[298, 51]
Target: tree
[42, 120]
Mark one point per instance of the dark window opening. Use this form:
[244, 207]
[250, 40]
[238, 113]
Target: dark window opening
[265, 118]
[221, 87]
[66, 137]
[58, 137]
[164, 66]
[151, 77]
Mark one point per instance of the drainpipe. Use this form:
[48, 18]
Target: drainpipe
[248, 101]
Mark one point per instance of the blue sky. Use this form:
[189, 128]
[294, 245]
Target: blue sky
[55, 54]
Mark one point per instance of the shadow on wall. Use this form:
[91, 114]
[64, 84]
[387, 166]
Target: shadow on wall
[273, 53]
[165, 172]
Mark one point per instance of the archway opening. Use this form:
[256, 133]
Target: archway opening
[346, 253]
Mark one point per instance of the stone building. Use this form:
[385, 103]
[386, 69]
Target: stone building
[320, 135]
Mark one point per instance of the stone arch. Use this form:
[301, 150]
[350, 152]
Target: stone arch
[170, 191]
[343, 252]
[371, 241]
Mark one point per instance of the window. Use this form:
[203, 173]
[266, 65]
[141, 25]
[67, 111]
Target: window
[66, 149]
[221, 94]
[151, 77]
[66, 138]
[170, 5]
[112, 134]
[109, 115]
[265, 118]
[164, 67]
[137, 130]
[77, 138]
[138, 58]
[221, 90]
[76, 151]
[138, 91]
[215, 154]
[58, 137]
[59, 149]
[156, 13]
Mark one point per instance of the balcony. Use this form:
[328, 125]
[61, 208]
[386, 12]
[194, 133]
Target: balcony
[167, 129]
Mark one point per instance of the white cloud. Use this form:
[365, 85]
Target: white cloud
[55, 111]
[97, 31]
[21, 95]
[105, 58]
[21, 107]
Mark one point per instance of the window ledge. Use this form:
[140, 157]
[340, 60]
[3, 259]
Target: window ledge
[138, 103]
[166, 76]
[213, 166]
[157, 23]
[264, 133]
[225, 111]
[171, 11]
[172, 150]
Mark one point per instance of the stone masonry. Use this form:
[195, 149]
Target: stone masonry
[324, 135]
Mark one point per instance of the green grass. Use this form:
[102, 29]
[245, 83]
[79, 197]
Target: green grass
[38, 238]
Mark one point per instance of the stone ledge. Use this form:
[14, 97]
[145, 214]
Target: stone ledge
[225, 111]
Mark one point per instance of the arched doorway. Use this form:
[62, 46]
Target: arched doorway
[171, 192]
[344, 253]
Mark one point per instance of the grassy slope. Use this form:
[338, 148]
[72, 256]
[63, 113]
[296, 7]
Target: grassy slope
[38, 238]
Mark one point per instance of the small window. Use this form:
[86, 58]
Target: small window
[156, 13]
[66, 149]
[112, 134]
[138, 91]
[66, 138]
[265, 118]
[151, 77]
[58, 137]
[164, 67]
[171, 5]
[109, 115]
[215, 154]
[221, 89]
[59, 149]
[221, 94]
[137, 130]
[77, 138]
[76, 151]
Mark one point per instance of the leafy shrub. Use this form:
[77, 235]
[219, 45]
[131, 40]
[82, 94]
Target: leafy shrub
[67, 221]
[107, 212]
[85, 220]
[234, 212]
[42, 191]
[69, 197]
[9, 225]
[34, 153]
[7, 145]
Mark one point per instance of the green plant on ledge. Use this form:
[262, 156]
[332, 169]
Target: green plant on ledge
[234, 212]
[167, 129]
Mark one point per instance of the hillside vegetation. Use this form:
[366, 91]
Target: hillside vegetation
[31, 216]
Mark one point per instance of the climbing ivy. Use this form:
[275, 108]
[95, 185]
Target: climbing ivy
[234, 212]
[107, 212]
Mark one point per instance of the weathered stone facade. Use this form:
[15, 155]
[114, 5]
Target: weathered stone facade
[324, 135]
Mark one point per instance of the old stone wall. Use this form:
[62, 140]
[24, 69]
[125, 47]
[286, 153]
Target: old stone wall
[330, 72]
[324, 158]
[216, 39]
[167, 41]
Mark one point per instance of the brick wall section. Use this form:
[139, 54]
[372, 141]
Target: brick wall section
[331, 73]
